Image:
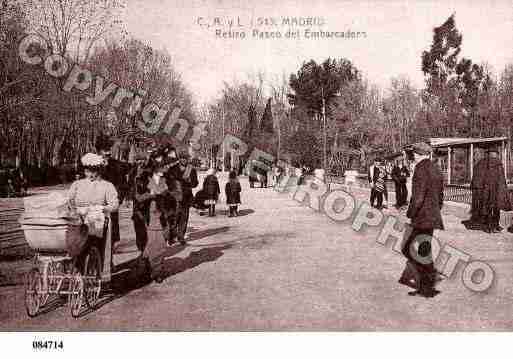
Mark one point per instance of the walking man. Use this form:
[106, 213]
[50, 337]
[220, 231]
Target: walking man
[189, 180]
[114, 172]
[424, 211]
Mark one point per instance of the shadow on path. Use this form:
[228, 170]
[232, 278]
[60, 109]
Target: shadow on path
[177, 265]
[242, 212]
[138, 273]
[207, 233]
[224, 212]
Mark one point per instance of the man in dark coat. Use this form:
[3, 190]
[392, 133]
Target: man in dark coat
[400, 174]
[495, 194]
[425, 214]
[489, 194]
[114, 172]
[252, 173]
[373, 176]
[189, 179]
[141, 207]
[168, 155]
[477, 186]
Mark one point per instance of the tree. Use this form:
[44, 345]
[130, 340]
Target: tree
[305, 149]
[136, 66]
[315, 82]
[267, 125]
[400, 109]
[358, 118]
[74, 27]
[316, 87]
[454, 84]
[250, 127]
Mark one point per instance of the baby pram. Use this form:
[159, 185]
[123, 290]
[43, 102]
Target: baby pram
[67, 258]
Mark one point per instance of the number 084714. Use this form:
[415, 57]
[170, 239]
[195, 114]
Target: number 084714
[47, 345]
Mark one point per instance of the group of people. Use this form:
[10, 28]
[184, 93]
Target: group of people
[208, 196]
[489, 197]
[162, 195]
[13, 183]
[377, 176]
[258, 174]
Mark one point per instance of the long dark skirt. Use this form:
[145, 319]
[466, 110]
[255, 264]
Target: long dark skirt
[156, 246]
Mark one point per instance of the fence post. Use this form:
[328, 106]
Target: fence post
[471, 161]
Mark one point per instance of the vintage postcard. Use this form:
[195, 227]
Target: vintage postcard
[262, 166]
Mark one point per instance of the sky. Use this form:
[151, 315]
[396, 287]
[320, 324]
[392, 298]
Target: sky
[396, 33]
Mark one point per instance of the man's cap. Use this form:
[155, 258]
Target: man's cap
[422, 148]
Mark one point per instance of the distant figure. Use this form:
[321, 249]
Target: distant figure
[476, 221]
[489, 194]
[494, 197]
[252, 175]
[425, 214]
[11, 191]
[384, 169]
[232, 191]
[380, 187]
[400, 175]
[278, 175]
[23, 183]
[211, 188]
[372, 176]
[275, 171]
[189, 180]
[263, 179]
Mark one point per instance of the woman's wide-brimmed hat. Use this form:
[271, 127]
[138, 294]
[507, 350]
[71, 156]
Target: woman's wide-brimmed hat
[92, 160]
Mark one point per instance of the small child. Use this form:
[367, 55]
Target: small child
[211, 188]
[232, 191]
[380, 188]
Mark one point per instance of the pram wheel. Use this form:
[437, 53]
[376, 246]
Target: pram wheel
[92, 274]
[33, 292]
[76, 295]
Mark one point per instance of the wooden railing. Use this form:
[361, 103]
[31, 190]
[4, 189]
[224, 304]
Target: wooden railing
[457, 193]
[454, 193]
